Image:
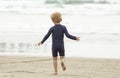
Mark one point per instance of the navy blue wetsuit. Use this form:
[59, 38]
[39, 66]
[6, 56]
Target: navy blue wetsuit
[58, 32]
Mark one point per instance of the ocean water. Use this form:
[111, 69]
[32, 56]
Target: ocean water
[24, 23]
[87, 7]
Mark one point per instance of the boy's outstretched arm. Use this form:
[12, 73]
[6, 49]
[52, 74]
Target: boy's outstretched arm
[45, 37]
[71, 36]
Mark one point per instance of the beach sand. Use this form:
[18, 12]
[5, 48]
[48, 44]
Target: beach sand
[41, 67]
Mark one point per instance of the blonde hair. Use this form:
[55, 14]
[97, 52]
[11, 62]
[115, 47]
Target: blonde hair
[56, 17]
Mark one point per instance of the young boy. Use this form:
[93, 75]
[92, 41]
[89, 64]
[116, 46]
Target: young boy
[58, 32]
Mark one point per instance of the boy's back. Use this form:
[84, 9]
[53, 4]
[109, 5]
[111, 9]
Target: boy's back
[58, 32]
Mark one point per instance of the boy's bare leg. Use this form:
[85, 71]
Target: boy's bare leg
[62, 63]
[55, 65]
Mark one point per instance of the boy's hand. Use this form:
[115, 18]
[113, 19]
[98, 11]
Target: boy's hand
[78, 38]
[39, 43]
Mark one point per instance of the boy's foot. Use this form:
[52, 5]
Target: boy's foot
[55, 73]
[63, 66]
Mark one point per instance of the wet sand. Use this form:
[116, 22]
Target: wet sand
[41, 67]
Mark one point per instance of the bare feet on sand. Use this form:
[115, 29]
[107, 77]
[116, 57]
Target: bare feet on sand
[55, 73]
[63, 66]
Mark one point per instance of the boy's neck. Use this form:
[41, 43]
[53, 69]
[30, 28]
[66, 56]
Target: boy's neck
[57, 23]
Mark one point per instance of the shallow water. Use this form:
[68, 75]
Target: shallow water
[91, 45]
